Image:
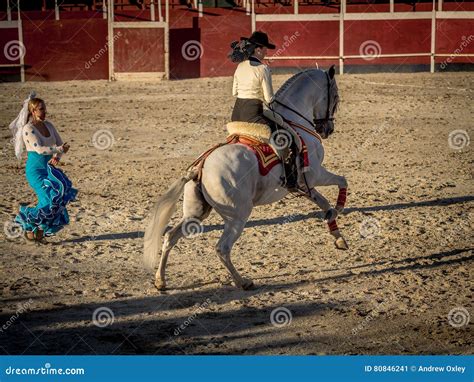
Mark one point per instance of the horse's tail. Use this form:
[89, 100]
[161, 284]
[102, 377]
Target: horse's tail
[160, 217]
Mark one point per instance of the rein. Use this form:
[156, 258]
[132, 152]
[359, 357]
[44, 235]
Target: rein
[328, 117]
[296, 112]
[317, 122]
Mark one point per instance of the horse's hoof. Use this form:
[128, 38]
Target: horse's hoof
[247, 284]
[341, 243]
[160, 285]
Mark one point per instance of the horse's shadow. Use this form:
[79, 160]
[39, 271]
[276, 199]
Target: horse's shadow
[283, 220]
[187, 296]
[72, 330]
[142, 325]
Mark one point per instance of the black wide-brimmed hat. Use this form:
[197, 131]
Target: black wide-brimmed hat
[259, 39]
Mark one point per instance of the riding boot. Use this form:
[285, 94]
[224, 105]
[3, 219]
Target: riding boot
[289, 180]
[282, 154]
[291, 176]
[301, 179]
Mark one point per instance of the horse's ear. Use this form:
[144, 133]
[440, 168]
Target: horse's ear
[332, 71]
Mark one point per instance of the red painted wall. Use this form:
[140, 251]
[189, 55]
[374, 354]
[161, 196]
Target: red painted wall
[139, 50]
[387, 37]
[65, 49]
[452, 35]
[217, 33]
[8, 45]
[76, 48]
[308, 38]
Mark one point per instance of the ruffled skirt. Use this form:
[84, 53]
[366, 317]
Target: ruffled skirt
[54, 191]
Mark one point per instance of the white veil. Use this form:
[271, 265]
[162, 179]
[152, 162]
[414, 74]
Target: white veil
[17, 126]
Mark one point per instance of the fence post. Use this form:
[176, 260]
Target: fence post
[152, 10]
[110, 42]
[9, 11]
[20, 38]
[167, 39]
[433, 38]
[56, 10]
[160, 16]
[341, 36]
[254, 21]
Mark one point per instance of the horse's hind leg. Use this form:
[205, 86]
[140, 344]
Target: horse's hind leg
[233, 228]
[195, 210]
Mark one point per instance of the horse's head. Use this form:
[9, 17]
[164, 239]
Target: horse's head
[326, 106]
[309, 98]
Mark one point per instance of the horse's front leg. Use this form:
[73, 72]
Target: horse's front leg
[330, 217]
[327, 178]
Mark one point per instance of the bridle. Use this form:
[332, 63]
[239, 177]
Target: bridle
[317, 123]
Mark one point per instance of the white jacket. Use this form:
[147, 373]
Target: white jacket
[253, 80]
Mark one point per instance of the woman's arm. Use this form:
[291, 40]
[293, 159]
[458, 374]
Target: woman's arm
[57, 137]
[267, 85]
[234, 86]
[32, 143]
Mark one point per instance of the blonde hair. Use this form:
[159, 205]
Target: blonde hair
[33, 104]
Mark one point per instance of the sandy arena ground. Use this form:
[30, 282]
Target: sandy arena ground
[403, 287]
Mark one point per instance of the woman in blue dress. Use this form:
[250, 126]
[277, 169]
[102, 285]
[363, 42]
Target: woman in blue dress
[54, 190]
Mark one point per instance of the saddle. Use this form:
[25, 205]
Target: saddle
[258, 138]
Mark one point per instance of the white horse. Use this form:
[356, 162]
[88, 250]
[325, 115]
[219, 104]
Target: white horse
[232, 185]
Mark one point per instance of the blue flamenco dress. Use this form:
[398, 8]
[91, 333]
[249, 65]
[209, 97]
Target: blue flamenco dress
[54, 191]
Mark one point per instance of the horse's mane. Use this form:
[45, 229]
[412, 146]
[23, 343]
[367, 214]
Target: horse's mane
[297, 76]
[291, 81]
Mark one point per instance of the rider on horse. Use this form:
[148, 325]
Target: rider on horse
[253, 88]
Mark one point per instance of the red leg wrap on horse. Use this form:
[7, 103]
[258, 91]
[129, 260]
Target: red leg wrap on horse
[332, 226]
[341, 198]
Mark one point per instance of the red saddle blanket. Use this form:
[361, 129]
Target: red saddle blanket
[266, 156]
